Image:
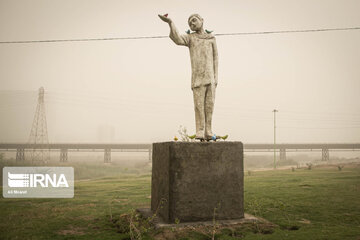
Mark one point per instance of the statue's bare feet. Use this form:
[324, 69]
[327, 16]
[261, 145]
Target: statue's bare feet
[200, 135]
[208, 135]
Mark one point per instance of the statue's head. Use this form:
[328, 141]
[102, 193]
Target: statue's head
[195, 22]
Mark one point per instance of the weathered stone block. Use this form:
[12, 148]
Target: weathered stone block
[191, 179]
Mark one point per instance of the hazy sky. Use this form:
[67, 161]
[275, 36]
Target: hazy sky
[141, 88]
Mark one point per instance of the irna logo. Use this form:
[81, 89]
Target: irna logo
[37, 180]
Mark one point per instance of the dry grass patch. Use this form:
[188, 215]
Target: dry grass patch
[71, 230]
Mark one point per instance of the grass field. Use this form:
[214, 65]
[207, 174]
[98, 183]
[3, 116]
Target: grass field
[322, 203]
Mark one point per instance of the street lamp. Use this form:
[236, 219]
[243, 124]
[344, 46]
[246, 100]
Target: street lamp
[275, 111]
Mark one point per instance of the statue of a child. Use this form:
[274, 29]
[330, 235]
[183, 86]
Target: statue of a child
[204, 66]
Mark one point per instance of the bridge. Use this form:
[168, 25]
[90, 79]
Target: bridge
[303, 147]
[64, 148]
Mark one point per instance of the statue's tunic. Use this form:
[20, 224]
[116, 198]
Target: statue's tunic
[202, 53]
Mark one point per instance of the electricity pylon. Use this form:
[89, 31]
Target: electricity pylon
[39, 135]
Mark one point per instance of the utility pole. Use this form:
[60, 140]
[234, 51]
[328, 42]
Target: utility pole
[275, 111]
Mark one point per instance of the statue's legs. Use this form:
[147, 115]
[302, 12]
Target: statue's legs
[209, 109]
[204, 98]
[199, 101]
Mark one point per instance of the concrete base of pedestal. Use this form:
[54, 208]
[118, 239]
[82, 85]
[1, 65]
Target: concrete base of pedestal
[192, 180]
[159, 223]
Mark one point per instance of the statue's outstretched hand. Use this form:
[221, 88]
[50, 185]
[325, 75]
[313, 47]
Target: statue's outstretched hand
[164, 18]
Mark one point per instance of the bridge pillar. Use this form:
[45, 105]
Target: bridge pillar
[325, 154]
[150, 155]
[20, 154]
[283, 154]
[107, 155]
[63, 155]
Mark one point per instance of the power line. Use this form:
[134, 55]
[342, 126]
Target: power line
[155, 37]
[319, 128]
[82, 39]
[290, 31]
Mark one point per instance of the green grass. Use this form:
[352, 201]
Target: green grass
[322, 203]
[84, 170]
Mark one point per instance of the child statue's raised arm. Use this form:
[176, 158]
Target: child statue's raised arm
[174, 34]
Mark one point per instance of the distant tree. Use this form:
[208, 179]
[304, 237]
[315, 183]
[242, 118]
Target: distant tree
[309, 166]
[340, 167]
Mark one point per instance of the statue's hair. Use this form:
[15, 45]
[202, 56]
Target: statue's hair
[197, 16]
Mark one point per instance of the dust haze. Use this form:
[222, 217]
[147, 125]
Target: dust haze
[139, 90]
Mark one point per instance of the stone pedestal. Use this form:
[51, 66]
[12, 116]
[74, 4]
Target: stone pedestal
[191, 179]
